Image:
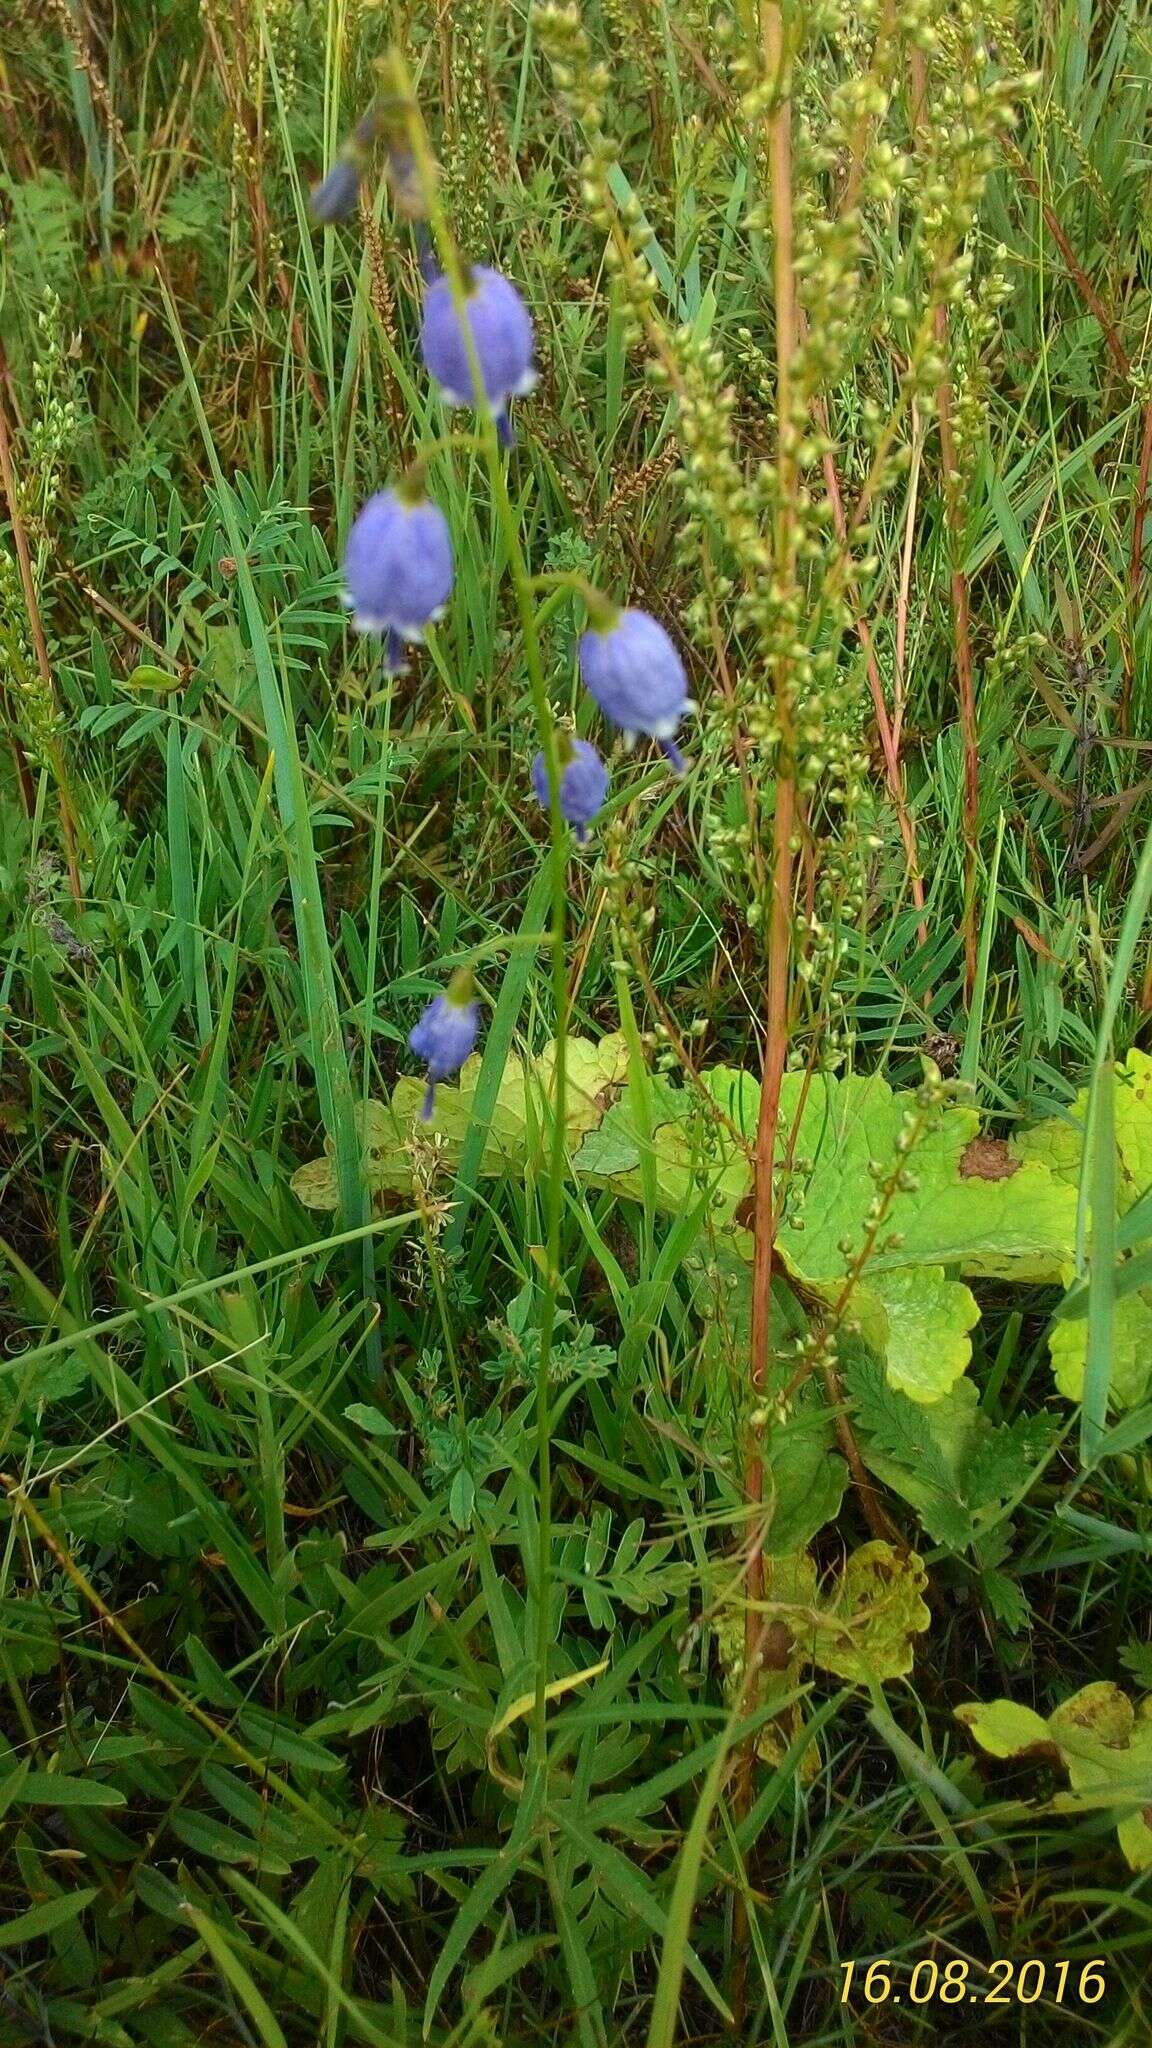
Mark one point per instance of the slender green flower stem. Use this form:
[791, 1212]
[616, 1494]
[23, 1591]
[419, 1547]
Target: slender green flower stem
[523, 585]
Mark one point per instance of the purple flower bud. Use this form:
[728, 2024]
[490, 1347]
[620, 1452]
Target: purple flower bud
[631, 668]
[398, 568]
[446, 1034]
[501, 335]
[583, 782]
[334, 198]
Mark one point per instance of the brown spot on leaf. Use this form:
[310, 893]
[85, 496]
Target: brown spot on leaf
[988, 1159]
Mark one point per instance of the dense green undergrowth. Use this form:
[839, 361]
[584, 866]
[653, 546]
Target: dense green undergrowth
[444, 1594]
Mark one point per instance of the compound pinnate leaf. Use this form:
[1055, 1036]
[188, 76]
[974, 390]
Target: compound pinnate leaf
[946, 1459]
[1102, 1742]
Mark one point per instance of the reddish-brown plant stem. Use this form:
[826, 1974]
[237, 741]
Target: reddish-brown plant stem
[779, 934]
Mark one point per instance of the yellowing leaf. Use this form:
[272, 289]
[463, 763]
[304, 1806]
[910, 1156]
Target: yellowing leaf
[1005, 1729]
[1131, 1350]
[1058, 1142]
[1104, 1746]
[520, 1116]
[860, 1627]
[867, 1630]
[315, 1185]
[975, 1206]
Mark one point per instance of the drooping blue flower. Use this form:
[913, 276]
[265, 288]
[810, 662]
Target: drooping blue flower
[334, 198]
[502, 336]
[630, 666]
[398, 568]
[446, 1034]
[583, 782]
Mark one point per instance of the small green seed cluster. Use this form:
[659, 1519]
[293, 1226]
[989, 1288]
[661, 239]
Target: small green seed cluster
[20, 675]
[973, 333]
[470, 137]
[283, 38]
[634, 29]
[53, 428]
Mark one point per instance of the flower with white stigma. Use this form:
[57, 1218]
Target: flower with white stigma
[446, 1034]
[583, 782]
[502, 339]
[631, 668]
[398, 567]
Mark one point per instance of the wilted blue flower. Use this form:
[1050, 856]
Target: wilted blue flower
[501, 335]
[334, 198]
[631, 668]
[446, 1034]
[583, 782]
[398, 568]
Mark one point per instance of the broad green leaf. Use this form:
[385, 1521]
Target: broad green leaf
[1018, 1225]
[928, 1319]
[804, 1483]
[1103, 1744]
[1131, 1351]
[1005, 1729]
[1058, 1142]
[974, 1204]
